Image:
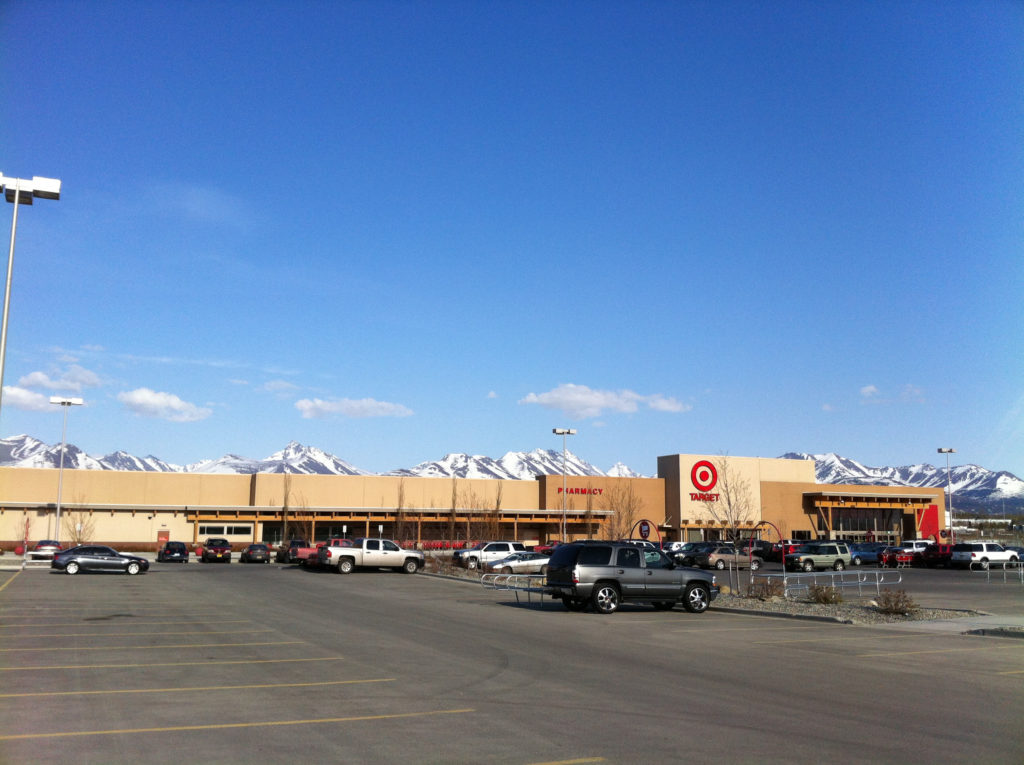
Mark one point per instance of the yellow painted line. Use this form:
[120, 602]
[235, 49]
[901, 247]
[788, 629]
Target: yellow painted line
[120, 624]
[848, 638]
[2, 586]
[168, 664]
[1012, 672]
[128, 634]
[196, 688]
[225, 726]
[939, 650]
[147, 647]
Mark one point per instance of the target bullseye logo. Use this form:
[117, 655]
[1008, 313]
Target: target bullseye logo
[704, 476]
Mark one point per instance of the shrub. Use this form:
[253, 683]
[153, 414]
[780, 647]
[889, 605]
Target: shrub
[825, 594]
[896, 602]
[769, 588]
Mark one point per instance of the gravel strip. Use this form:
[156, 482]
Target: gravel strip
[848, 613]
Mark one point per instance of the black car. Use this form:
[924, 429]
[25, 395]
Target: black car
[172, 551]
[98, 558]
[255, 553]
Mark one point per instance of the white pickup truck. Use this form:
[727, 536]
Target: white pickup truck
[371, 553]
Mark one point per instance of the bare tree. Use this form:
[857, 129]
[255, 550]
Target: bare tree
[734, 501]
[79, 525]
[625, 507]
[284, 507]
[454, 508]
[400, 520]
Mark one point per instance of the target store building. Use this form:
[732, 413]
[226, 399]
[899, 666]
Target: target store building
[693, 497]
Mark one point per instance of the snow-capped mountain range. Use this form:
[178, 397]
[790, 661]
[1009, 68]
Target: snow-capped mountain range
[25, 451]
[974, 487]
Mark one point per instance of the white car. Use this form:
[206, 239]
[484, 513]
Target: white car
[981, 554]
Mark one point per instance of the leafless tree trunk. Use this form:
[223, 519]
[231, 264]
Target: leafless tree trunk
[454, 508]
[400, 521]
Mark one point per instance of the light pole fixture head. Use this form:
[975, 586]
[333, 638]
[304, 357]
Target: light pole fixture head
[563, 431]
[66, 401]
[946, 450]
[43, 188]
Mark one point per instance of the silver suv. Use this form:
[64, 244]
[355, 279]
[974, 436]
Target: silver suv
[606, 574]
[826, 554]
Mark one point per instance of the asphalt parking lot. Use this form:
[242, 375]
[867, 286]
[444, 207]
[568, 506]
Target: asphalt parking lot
[233, 663]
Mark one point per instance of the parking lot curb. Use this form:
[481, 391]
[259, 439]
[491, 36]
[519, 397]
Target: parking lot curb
[778, 614]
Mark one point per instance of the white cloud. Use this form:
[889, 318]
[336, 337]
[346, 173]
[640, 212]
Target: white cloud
[203, 204]
[164, 406]
[28, 400]
[74, 378]
[869, 391]
[279, 386]
[911, 392]
[492, 394]
[580, 401]
[317, 408]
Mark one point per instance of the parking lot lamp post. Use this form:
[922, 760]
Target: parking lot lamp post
[19, 191]
[563, 432]
[949, 489]
[65, 403]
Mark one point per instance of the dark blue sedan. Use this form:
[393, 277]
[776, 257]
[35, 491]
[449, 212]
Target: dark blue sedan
[99, 558]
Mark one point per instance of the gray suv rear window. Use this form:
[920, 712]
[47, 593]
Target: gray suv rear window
[595, 556]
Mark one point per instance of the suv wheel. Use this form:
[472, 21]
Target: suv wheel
[696, 598]
[755, 564]
[808, 565]
[720, 564]
[605, 598]
[838, 565]
[471, 564]
[856, 560]
[410, 566]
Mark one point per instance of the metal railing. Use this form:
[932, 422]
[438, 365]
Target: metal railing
[1009, 571]
[531, 584]
[872, 579]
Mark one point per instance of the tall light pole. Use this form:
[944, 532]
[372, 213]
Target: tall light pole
[19, 192]
[563, 432]
[65, 404]
[949, 489]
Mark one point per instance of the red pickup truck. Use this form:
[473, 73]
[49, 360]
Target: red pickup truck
[310, 555]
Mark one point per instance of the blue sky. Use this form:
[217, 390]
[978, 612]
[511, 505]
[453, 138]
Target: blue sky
[395, 230]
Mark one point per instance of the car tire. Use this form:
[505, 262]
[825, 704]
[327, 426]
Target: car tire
[839, 565]
[856, 561]
[345, 566]
[984, 564]
[71, 568]
[755, 565]
[410, 567]
[471, 563]
[605, 598]
[132, 568]
[574, 604]
[720, 565]
[544, 569]
[506, 570]
[808, 566]
[696, 598]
